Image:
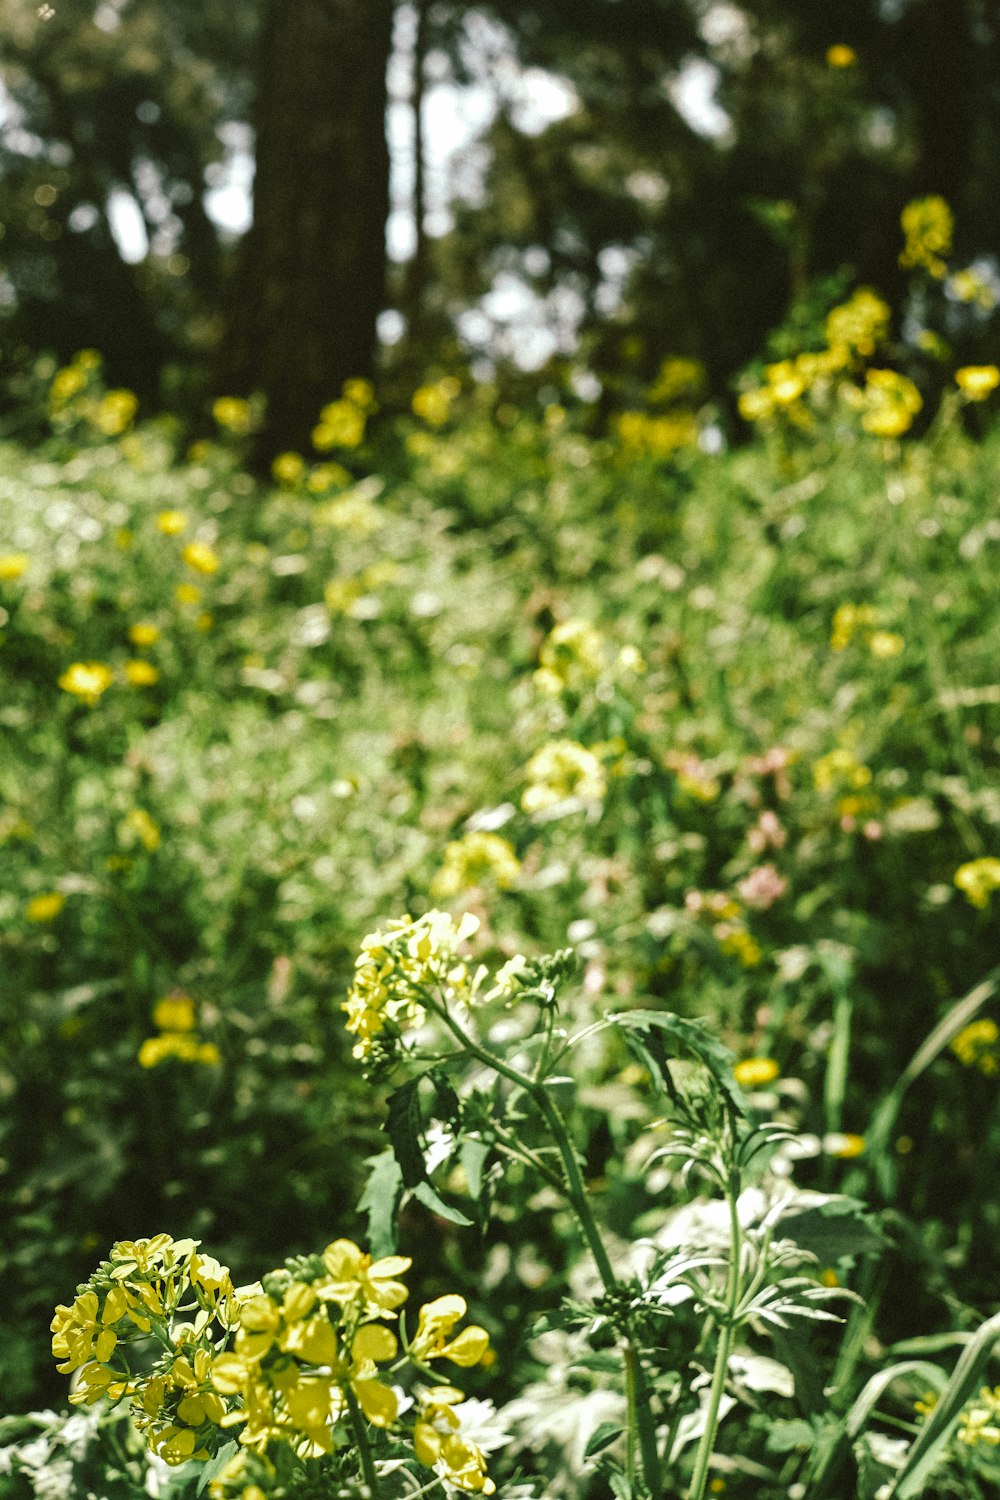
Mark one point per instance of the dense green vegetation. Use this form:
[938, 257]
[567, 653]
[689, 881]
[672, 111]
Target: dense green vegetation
[725, 723]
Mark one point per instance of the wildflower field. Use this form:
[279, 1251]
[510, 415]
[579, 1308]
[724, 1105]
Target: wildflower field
[498, 941]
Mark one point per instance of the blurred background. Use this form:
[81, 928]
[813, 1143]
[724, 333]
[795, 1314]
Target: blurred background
[505, 185]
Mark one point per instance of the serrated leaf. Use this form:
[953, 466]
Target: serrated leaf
[403, 1130]
[426, 1194]
[472, 1153]
[447, 1106]
[832, 1229]
[602, 1437]
[380, 1201]
[691, 1039]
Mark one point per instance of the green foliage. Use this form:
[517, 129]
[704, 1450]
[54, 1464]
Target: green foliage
[725, 724]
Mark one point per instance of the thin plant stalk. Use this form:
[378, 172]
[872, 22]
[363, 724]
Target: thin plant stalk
[727, 1329]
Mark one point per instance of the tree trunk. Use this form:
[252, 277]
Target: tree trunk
[312, 277]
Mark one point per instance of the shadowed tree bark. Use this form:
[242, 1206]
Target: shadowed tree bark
[312, 275]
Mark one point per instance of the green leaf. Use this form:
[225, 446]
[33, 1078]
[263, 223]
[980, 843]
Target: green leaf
[447, 1106]
[472, 1153]
[426, 1194]
[787, 1437]
[403, 1129]
[215, 1465]
[690, 1039]
[602, 1437]
[831, 1229]
[380, 1201]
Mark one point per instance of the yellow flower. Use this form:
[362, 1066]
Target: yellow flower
[975, 1046]
[978, 879]
[841, 56]
[361, 393]
[233, 414]
[890, 402]
[175, 1013]
[187, 593]
[928, 226]
[140, 673]
[288, 468]
[473, 860]
[976, 382]
[394, 964]
[756, 1072]
[846, 1147]
[432, 1338]
[858, 325]
[200, 557]
[67, 383]
[144, 633]
[980, 1422]
[171, 522]
[846, 619]
[562, 771]
[114, 412]
[86, 680]
[572, 655]
[138, 824]
[885, 643]
[439, 1445]
[756, 405]
[46, 907]
[785, 382]
[181, 1046]
[13, 565]
[341, 425]
[738, 943]
[354, 1278]
[432, 403]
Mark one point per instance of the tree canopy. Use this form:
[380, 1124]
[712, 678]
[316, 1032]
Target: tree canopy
[714, 163]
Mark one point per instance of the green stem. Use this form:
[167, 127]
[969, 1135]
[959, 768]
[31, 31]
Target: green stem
[703, 1457]
[364, 1446]
[576, 1193]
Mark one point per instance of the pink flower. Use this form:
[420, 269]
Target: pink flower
[767, 833]
[762, 887]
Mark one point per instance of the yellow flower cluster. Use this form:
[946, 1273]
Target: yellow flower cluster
[839, 769]
[976, 1046]
[573, 655]
[854, 330]
[976, 382]
[342, 423]
[980, 1422]
[857, 326]
[433, 402]
[397, 968]
[305, 1351]
[233, 415]
[149, 1286]
[928, 226]
[977, 879]
[646, 435]
[177, 1019]
[851, 618]
[477, 858]
[87, 680]
[889, 402]
[563, 771]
